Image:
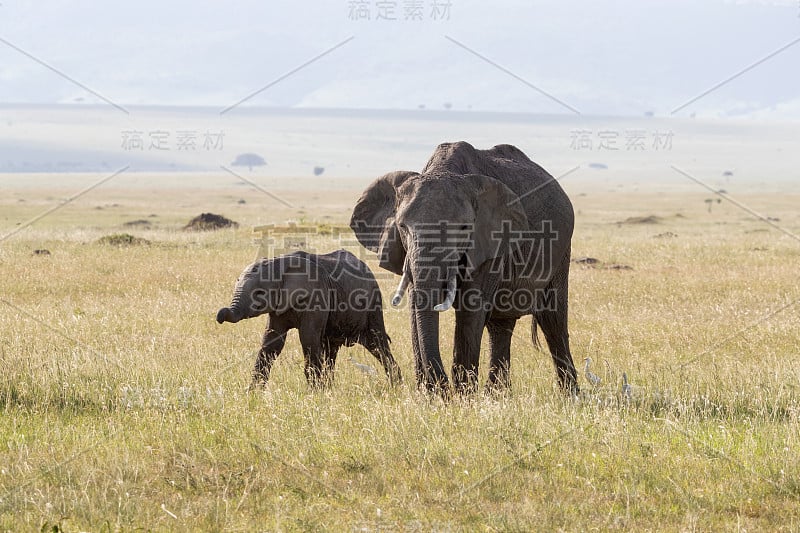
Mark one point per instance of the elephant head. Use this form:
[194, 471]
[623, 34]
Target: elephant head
[435, 230]
[272, 286]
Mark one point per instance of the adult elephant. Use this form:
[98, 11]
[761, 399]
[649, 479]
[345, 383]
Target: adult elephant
[486, 232]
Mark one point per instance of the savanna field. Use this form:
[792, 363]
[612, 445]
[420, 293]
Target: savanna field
[124, 404]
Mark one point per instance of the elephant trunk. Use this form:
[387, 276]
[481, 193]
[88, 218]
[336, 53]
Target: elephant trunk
[427, 322]
[435, 281]
[240, 309]
[226, 314]
[433, 290]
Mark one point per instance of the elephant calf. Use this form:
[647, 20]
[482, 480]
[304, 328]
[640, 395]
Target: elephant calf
[332, 300]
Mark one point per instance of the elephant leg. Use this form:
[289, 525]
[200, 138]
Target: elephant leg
[551, 315]
[500, 332]
[330, 349]
[312, 343]
[467, 349]
[377, 343]
[271, 347]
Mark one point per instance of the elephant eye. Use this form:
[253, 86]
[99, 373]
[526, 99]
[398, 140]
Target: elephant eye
[464, 227]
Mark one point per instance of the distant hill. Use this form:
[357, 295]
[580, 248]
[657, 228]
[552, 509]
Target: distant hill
[614, 59]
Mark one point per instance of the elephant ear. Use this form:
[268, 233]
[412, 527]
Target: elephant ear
[299, 278]
[373, 220]
[499, 214]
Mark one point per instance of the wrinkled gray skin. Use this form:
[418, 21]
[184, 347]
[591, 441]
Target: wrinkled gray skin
[474, 192]
[332, 300]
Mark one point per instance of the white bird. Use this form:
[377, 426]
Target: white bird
[365, 369]
[593, 378]
[626, 388]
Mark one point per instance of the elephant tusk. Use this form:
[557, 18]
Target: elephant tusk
[450, 296]
[401, 289]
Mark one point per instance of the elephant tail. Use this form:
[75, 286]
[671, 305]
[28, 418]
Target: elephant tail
[535, 333]
[376, 325]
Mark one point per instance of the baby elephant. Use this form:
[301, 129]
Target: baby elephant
[332, 299]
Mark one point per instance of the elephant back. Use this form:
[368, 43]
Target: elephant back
[541, 195]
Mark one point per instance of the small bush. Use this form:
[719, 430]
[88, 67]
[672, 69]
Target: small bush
[122, 239]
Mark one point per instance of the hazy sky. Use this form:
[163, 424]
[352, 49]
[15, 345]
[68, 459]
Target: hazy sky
[622, 57]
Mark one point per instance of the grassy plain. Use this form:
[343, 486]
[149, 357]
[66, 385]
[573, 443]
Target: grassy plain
[123, 403]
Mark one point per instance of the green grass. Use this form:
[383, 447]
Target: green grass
[124, 406]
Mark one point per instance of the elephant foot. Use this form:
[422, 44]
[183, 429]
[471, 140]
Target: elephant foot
[572, 393]
[437, 390]
[571, 388]
[497, 389]
[465, 380]
[257, 384]
[466, 388]
[395, 378]
[320, 382]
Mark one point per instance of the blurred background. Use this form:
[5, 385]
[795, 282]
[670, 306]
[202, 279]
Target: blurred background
[351, 89]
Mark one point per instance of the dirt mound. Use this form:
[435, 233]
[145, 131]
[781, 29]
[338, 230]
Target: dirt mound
[136, 223]
[665, 235]
[208, 222]
[591, 262]
[618, 267]
[122, 239]
[649, 219]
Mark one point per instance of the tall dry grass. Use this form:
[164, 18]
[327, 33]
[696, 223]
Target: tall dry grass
[124, 404]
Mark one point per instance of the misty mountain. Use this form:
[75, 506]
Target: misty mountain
[604, 58]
